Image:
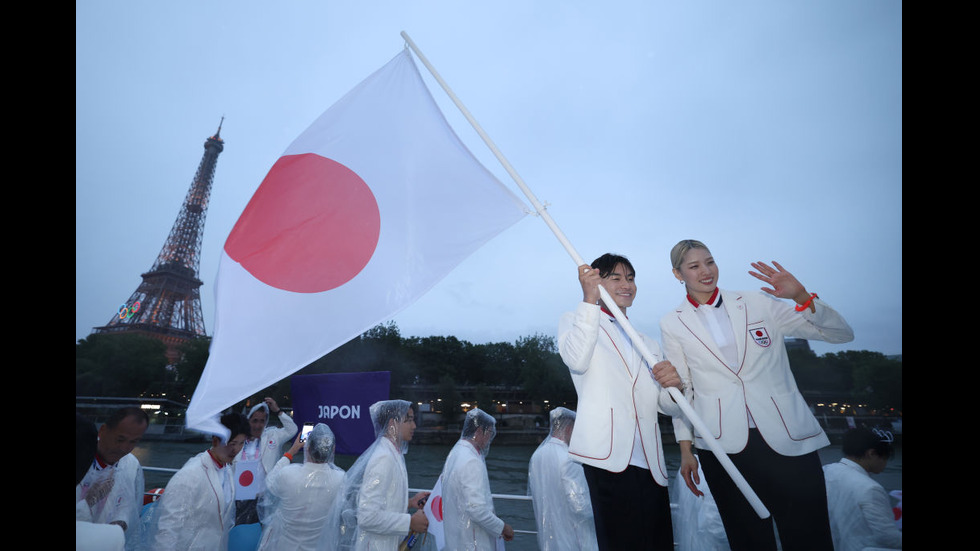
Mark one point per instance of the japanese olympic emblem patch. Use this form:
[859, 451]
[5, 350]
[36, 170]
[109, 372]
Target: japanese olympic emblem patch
[761, 337]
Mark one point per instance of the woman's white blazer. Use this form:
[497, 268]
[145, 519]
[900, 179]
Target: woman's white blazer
[760, 383]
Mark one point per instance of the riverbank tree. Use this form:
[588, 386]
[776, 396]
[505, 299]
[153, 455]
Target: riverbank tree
[862, 376]
[132, 365]
[119, 365]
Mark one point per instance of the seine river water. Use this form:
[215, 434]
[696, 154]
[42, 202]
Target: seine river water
[506, 465]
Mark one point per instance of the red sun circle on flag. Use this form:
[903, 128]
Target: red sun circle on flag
[312, 226]
[437, 508]
[245, 478]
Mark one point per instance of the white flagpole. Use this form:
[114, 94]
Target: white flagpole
[676, 394]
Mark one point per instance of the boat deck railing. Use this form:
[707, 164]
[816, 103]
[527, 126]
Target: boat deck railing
[510, 497]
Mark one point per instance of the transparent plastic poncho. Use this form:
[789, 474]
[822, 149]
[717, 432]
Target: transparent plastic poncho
[299, 497]
[697, 522]
[196, 510]
[372, 512]
[114, 494]
[469, 519]
[559, 492]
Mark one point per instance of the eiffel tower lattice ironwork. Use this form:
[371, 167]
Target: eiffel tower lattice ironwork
[167, 304]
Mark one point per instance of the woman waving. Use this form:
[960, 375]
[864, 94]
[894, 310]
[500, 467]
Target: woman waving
[728, 350]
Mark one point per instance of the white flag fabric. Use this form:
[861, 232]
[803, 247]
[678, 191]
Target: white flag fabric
[364, 212]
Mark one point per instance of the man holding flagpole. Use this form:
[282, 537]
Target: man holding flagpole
[616, 436]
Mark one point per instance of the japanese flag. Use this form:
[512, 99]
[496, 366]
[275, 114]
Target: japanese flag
[363, 213]
[433, 511]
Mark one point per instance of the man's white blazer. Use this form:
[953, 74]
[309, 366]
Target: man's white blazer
[616, 393]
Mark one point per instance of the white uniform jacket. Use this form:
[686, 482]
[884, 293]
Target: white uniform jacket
[861, 514]
[561, 500]
[616, 393]
[382, 504]
[469, 520]
[197, 508]
[272, 439]
[298, 501]
[760, 383]
[123, 502]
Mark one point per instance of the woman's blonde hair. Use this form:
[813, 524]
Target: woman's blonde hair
[680, 249]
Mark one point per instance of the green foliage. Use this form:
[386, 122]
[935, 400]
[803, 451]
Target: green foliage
[543, 374]
[503, 363]
[483, 396]
[858, 375]
[131, 365]
[190, 366]
[119, 365]
[877, 379]
[194, 356]
[816, 373]
[436, 358]
[451, 399]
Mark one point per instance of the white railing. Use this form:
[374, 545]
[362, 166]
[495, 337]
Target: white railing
[512, 497]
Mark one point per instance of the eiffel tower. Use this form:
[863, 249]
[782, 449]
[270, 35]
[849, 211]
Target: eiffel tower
[167, 304]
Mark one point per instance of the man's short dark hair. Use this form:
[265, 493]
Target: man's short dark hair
[118, 415]
[607, 262]
[237, 423]
[859, 440]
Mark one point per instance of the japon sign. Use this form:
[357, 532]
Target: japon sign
[341, 401]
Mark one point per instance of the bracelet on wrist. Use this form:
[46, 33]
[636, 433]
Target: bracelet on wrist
[808, 304]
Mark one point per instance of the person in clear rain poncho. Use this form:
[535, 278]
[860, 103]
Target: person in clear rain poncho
[372, 513]
[262, 450]
[469, 520]
[697, 522]
[197, 508]
[112, 490]
[90, 536]
[300, 496]
[559, 491]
